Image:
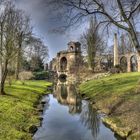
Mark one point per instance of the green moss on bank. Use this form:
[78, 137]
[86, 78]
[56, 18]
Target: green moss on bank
[117, 95]
[17, 113]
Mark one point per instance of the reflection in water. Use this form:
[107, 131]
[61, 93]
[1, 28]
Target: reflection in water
[70, 118]
[91, 119]
[67, 95]
[64, 92]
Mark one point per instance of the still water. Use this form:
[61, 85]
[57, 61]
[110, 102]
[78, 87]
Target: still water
[67, 117]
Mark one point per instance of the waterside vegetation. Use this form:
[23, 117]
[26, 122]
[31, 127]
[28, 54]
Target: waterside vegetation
[17, 109]
[118, 96]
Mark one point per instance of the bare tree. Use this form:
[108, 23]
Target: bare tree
[9, 21]
[93, 43]
[124, 14]
[24, 31]
[126, 45]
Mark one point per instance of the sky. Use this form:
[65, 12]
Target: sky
[43, 24]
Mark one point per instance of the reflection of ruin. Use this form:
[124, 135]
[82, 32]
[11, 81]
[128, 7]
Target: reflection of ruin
[67, 95]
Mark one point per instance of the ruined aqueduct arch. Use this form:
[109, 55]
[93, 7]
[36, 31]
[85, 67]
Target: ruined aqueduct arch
[129, 62]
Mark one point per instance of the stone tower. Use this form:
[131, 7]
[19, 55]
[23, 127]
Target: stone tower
[74, 56]
[74, 47]
[116, 57]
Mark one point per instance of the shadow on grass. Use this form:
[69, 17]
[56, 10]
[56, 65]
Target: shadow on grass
[26, 89]
[18, 98]
[23, 93]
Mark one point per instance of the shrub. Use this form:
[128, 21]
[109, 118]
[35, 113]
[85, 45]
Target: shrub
[25, 75]
[116, 69]
[40, 75]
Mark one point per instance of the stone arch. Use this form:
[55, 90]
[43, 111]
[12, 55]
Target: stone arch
[71, 48]
[63, 64]
[133, 63]
[123, 64]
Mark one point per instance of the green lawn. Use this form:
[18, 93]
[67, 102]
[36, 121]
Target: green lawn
[116, 85]
[17, 113]
[117, 95]
[109, 91]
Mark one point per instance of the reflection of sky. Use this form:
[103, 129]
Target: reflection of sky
[59, 124]
[42, 21]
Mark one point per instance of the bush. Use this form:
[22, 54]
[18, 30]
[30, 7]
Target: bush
[116, 69]
[25, 75]
[40, 75]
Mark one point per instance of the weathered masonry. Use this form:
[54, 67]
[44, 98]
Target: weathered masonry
[129, 62]
[67, 62]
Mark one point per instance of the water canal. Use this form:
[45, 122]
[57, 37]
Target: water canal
[67, 117]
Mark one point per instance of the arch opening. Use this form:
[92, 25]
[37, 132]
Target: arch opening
[63, 78]
[63, 64]
[71, 48]
[133, 63]
[123, 64]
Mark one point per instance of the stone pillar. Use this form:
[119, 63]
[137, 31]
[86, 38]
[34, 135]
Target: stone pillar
[138, 61]
[116, 57]
[128, 65]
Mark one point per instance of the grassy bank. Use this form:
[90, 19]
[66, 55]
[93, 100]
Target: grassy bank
[119, 96]
[17, 113]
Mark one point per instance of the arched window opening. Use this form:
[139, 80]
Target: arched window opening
[133, 64]
[63, 64]
[71, 48]
[123, 64]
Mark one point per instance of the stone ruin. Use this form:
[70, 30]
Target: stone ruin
[67, 62]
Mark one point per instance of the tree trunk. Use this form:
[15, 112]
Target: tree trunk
[0, 72]
[3, 78]
[18, 63]
[135, 41]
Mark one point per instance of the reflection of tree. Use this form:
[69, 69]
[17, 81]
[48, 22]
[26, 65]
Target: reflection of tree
[75, 108]
[90, 118]
[47, 102]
